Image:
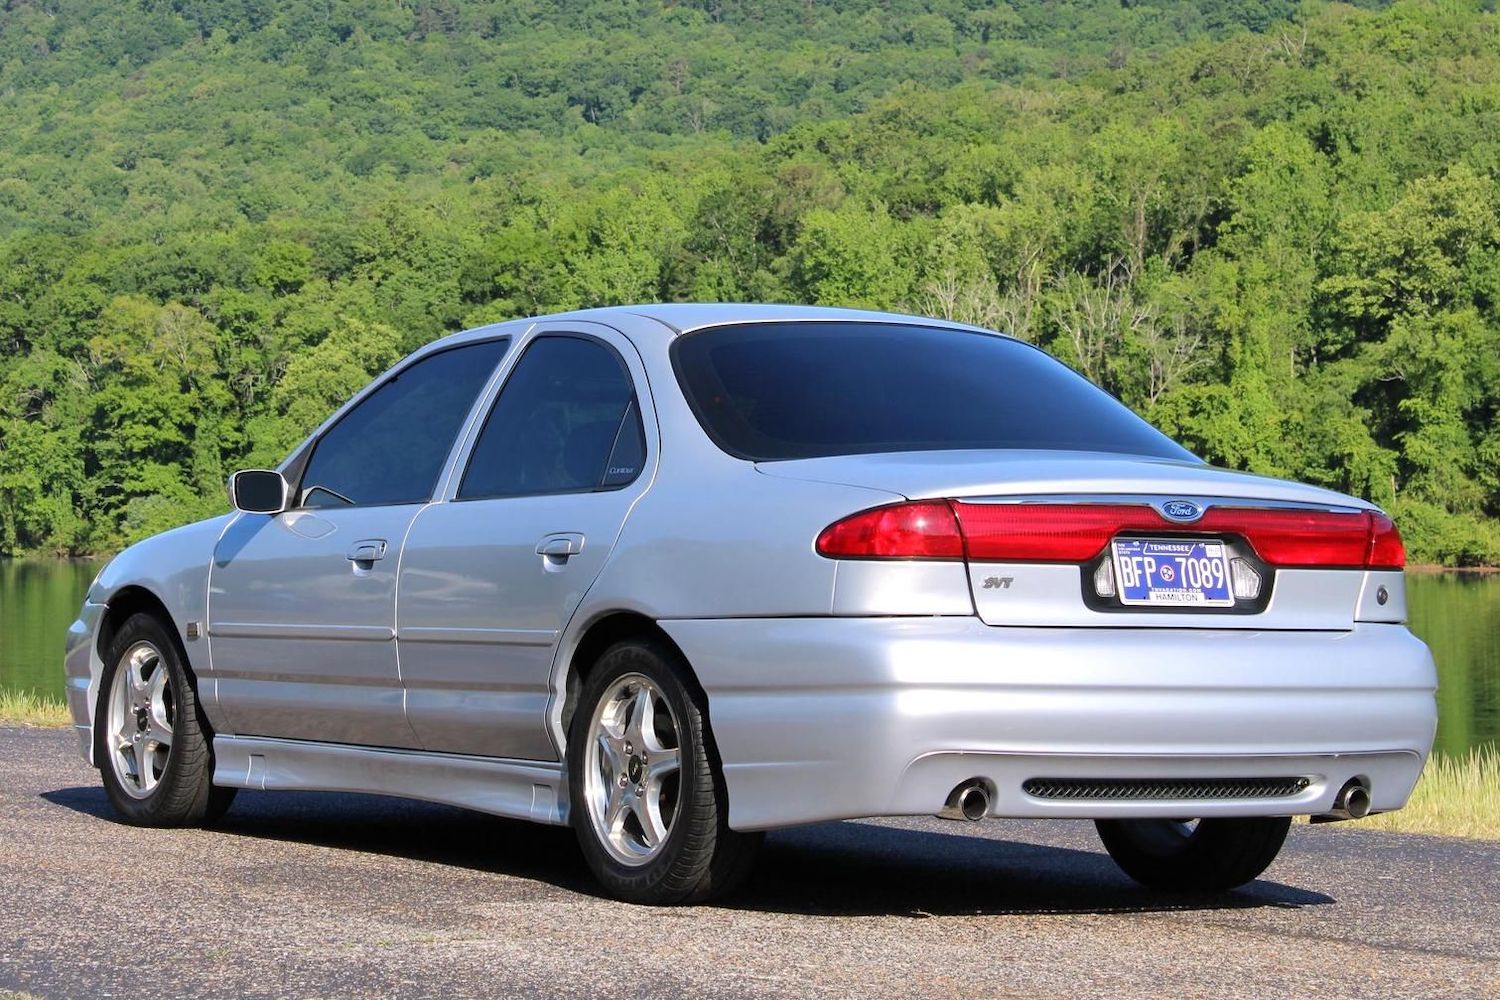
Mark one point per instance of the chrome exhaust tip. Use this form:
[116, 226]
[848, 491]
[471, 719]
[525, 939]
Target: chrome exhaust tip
[969, 801]
[1352, 802]
[1355, 800]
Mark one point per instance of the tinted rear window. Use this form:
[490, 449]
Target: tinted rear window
[774, 391]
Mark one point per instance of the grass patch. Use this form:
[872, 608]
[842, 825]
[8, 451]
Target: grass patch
[27, 708]
[1456, 797]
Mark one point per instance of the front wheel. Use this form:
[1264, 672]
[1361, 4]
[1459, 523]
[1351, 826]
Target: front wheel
[152, 746]
[645, 797]
[1203, 855]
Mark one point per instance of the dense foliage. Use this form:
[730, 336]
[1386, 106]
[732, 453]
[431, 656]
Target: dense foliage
[1273, 229]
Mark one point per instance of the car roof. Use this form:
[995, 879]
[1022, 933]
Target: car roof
[685, 317]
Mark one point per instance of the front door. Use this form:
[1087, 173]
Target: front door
[302, 605]
[490, 578]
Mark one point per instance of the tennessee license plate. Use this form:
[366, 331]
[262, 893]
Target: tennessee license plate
[1164, 572]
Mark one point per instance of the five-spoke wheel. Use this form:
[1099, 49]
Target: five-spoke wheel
[633, 775]
[142, 707]
[645, 793]
[152, 746]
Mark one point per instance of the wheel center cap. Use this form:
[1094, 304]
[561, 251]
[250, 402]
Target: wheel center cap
[633, 770]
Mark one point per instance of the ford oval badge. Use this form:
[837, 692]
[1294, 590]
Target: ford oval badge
[1182, 510]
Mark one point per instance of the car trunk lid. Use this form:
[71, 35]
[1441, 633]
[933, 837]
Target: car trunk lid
[959, 474]
[1238, 528]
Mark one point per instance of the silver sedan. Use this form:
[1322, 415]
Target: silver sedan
[680, 574]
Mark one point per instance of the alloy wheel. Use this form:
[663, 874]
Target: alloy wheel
[142, 714]
[633, 770]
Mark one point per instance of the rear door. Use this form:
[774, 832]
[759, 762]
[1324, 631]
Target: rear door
[302, 605]
[491, 576]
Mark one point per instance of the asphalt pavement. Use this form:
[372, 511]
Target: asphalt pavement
[299, 894]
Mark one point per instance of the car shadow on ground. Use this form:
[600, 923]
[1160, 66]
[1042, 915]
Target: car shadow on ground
[832, 869]
[867, 869]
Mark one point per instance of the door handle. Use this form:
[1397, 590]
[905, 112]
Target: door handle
[368, 551]
[560, 546]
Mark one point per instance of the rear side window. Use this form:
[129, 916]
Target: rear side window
[567, 421]
[390, 448]
[776, 391]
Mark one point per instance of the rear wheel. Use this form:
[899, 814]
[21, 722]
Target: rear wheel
[153, 747]
[1203, 855]
[646, 798]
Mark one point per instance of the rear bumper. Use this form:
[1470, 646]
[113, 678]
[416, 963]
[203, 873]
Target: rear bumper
[819, 719]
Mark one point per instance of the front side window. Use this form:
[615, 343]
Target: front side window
[390, 448]
[567, 421]
[775, 391]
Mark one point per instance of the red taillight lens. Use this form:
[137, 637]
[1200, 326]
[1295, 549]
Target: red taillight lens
[1296, 538]
[1387, 551]
[1026, 532]
[923, 530]
[1076, 533]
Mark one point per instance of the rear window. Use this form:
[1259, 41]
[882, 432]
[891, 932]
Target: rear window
[775, 391]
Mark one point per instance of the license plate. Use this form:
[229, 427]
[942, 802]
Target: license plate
[1164, 572]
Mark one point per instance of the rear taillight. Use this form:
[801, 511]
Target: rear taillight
[1070, 533]
[1387, 551]
[926, 529]
[1077, 533]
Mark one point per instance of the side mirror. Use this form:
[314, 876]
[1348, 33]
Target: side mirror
[259, 491]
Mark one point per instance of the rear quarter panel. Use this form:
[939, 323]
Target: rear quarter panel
[712, 537]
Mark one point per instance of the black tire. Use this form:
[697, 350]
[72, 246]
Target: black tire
[185, 794]
[1210, 856]
[700, 857]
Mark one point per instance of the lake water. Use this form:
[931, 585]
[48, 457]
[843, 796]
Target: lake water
[1458, 614]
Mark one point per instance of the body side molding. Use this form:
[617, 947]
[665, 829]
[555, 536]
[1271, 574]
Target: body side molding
[517, 789]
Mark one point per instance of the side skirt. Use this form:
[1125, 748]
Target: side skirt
[518, 789]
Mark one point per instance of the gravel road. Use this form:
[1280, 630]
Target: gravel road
[308, 894]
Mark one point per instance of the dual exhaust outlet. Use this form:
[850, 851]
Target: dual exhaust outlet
[971, 801]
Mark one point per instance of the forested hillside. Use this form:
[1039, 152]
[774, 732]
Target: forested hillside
[1273, 229]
